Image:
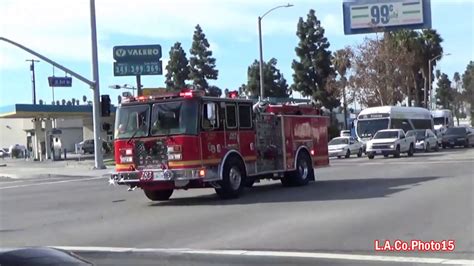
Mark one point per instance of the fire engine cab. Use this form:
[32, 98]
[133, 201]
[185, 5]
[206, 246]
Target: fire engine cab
[187, 140]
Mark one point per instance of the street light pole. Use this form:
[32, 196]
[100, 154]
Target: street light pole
[98, 159]
[33, 81]
[428, 104]
[261, 48]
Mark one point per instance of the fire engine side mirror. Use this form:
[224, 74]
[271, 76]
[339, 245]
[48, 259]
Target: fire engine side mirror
[211, 111]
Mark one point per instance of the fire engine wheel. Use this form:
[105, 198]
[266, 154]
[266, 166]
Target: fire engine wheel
[304, 171]
[157, 195]
[233, 179]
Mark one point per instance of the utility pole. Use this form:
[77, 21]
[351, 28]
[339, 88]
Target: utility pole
[33, 82]
[98, 158]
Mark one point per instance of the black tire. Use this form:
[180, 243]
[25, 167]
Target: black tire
[411, 150]
[370, 156]
[466, 143]
[437, 147]
[427, 147]
[338, 157]
[303, 173]
[348, 153]
[397, 152]
[444, 146]
[233, 179]
[359, 154]
[385, 155]
[158, 195]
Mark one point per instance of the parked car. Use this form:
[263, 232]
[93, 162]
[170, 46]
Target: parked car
[87, 146]
[390, 141]
[425, 139]
[344, 146]
[458, 136]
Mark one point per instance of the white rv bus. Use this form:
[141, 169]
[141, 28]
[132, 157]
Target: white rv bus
[442, 120]
[373, 119]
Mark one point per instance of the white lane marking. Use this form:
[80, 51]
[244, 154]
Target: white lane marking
[359, 163]
[290, 254]
[53, 183]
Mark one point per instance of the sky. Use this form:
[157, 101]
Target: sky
[60, 30]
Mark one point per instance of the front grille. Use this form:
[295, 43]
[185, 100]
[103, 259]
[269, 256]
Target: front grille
[151, 154]
[381, 146]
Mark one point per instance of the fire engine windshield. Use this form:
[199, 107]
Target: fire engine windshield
[132, 121]
[171, 118]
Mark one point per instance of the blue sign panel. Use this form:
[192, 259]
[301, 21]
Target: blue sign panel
[368, 16]
[60, 81]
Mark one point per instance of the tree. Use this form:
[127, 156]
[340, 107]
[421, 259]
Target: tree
[313, 68]
[73, 101]
[63, 101]
[202, 64]
[377, 74]
[84, 99]
[468, 82]
[342, 62]
[77, 101]
[458, 106]
[213, 91]
[430, 44]
[40, 102]
[275, 84]
[444, 92]
[57, 102]
[177, 68]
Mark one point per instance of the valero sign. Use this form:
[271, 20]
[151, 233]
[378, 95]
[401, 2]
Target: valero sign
[137, 60]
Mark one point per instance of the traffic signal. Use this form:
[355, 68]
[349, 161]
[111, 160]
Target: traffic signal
[105, 105]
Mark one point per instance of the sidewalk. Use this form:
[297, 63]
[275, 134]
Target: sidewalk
[23, 169]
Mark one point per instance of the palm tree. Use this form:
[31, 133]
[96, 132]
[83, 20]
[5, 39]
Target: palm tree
[73, 101]
[84, 99]
[341, 60]
[430, 43]
[63, 102]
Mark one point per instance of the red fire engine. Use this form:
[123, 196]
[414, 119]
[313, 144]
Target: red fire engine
[187, 140]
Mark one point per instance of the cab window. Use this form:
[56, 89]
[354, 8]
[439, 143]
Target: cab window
[210, 116]
[245, 116]
[231, 115]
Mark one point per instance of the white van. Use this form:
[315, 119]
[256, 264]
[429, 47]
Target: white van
[442, 120]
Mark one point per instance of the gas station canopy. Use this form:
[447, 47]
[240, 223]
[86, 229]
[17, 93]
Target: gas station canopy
[46, 111]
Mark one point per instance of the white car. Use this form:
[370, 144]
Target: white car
[390, 141]
[344, 146]
[426, 140]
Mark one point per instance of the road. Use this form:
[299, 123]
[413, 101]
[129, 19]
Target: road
[355, 202]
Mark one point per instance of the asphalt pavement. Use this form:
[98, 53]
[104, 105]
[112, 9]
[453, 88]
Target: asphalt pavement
[354, 202]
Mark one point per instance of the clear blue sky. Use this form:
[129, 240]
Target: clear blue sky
[60, 30]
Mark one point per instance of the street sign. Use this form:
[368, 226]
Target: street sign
[60, 81]
[135, 69]
[366, 16]
[137, 53]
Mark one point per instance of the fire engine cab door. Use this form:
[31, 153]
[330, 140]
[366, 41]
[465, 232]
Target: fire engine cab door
[231, 127]
[212, 133]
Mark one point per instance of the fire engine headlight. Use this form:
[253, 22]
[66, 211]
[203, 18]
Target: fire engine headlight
[174, 156]
[126, 159]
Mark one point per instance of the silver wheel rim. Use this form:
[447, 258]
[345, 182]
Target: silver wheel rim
[303, 169]
[235, 178]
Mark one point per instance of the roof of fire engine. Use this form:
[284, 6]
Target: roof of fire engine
[46, 111]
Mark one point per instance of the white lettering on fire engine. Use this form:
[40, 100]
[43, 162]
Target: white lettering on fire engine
[303, 130]
[233, 135]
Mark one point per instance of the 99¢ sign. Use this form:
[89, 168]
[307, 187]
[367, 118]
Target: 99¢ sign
[364, 16]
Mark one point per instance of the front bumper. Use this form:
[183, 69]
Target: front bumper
[420, 146]
[134, 178]
[335, 153]
[381, 151]
[454, 142]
